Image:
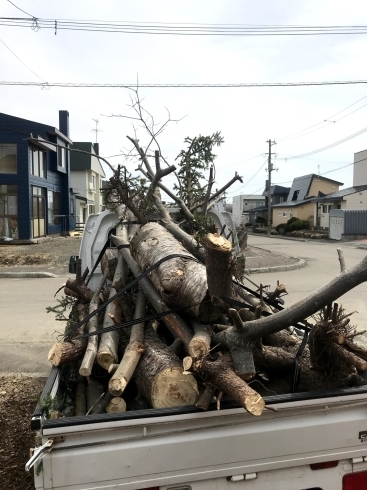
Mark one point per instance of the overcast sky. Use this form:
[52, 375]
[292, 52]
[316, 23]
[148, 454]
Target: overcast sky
[246, 117]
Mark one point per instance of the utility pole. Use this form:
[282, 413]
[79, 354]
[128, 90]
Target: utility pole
[270, 169]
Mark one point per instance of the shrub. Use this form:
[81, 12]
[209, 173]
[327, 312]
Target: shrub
[300, 224]
[280, 226]
[292, 220]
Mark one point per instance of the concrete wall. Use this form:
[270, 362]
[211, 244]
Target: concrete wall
[360, 168]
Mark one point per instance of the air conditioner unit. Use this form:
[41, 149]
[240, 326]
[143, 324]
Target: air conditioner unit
[91, 186]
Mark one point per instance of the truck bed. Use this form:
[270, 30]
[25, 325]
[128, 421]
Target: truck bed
[176, 447]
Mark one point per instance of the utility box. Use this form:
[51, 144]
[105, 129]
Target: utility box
[347, 224]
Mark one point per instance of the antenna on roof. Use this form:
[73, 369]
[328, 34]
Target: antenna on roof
[96, 130]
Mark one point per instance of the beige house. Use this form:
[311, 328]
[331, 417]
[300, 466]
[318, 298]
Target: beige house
[301, 203]
[351, 198]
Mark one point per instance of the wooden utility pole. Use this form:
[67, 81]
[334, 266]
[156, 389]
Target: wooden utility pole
[270, 169]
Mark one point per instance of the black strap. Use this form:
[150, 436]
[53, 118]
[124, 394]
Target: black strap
[128, 286]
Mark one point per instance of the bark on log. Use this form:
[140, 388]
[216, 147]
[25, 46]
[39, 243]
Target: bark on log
[181, 282]
[219, 265]
[64, 352]
[108, 346]
[199, 345]
[109, 262]
[174, 322]
[92, 346]
[206, 397]
[220, 374]
[159, 376]
[132, 354]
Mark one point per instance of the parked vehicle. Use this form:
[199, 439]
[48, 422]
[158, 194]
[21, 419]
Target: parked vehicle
[304, 441]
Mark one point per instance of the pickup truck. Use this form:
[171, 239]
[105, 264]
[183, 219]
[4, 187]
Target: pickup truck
[304, 441]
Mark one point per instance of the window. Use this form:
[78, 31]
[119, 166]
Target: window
[9, 211]
[54, 207]
[92, 209]
[94, 182]
[330, 207]
[285, 214]
[324, 208]
[281, 199]
[280, 213]
[8, 158]
[61, 157]
[295, 195]
[38, 162]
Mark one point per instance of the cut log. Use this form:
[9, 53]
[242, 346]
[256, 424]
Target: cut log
[181, 282]
[200, 343]
[173, 321]
[109, 262]
[132, 354]
[108, 346]
[159, 376]
[64, 352]
[221, 375]
[92, 346]
[219, 265]
[116, 404]
[206, 397]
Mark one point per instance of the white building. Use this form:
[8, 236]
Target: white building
[241, 206]
[86, 175]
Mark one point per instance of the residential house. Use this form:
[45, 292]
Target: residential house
[241, 206]
[35, 197]
[300, 203]
[354, 197]
[86, 179]
[278, 194]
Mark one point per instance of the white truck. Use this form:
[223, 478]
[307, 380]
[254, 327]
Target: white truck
[305, 441]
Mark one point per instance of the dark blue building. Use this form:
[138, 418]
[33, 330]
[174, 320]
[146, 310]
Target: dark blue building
[35, 195]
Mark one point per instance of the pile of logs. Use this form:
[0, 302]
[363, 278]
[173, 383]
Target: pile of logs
[202, 337]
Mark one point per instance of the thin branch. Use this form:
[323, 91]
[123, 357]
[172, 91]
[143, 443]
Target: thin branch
[232, 181]
[341, 259]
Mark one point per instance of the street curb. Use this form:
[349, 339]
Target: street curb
[26, 275]
[277, 268]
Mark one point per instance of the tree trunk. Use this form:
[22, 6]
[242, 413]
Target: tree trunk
[108, 346]
[219, 265]
[159, 377]
[220, 374]
[92, 346]
[181, 282]
[132, 354]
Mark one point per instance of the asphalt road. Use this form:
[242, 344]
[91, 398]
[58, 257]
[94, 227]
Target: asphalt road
[27, 332]
[322, 266]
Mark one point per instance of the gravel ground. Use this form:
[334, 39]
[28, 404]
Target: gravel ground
[47, 256]
[18, 399]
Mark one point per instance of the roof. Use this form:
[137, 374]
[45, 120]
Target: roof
[303, 184]
[338, 196]
[83, 161]
[276, 189]
[292, 204]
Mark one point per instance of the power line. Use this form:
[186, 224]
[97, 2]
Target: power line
[134, 86]
[185, 29]
[30, 69]
[347, 138]
[24, 12]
